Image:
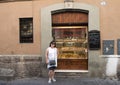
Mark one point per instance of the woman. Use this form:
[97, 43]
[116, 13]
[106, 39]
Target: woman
[51, 54]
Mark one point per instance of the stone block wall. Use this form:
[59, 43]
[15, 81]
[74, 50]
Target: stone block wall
[20, 66]
[27, 66]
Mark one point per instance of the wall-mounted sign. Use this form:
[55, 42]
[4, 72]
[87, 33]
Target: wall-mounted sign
[108, 47]
[94, 40]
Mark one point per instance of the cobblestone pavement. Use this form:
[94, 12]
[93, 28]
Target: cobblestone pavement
[61, 81]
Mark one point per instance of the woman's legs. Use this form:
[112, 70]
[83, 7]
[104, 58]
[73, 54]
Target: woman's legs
[51, 75]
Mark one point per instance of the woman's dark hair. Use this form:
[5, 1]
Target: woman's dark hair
[52, 42]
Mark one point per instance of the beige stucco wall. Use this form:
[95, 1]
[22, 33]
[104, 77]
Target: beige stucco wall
[9, 28]
[11, 12]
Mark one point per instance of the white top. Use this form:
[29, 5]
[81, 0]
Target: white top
[52, 55]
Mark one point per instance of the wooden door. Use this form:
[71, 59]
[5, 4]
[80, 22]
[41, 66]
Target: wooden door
[70, 31]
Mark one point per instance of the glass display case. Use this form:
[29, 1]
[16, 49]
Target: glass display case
[72, 46]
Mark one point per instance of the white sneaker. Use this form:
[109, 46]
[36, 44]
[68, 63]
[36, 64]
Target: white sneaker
[54, 80]
[49, 81]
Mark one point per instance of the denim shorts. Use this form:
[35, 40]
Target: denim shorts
[52, 68]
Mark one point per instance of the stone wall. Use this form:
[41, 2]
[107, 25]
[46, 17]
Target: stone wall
[19, 66]
[27, 66]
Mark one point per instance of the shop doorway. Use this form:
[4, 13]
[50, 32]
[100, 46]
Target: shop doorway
[70, 31]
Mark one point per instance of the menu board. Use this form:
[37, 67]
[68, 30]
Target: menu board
[94, 40]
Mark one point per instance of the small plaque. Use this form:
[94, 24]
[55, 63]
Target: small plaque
[68, 4]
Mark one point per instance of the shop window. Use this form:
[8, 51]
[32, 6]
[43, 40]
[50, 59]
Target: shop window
[26, 30]
[71, 42]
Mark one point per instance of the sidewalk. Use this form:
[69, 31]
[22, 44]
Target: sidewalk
[61, 81]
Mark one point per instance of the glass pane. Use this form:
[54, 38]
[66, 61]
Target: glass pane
[71, 42]
[26, 30]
